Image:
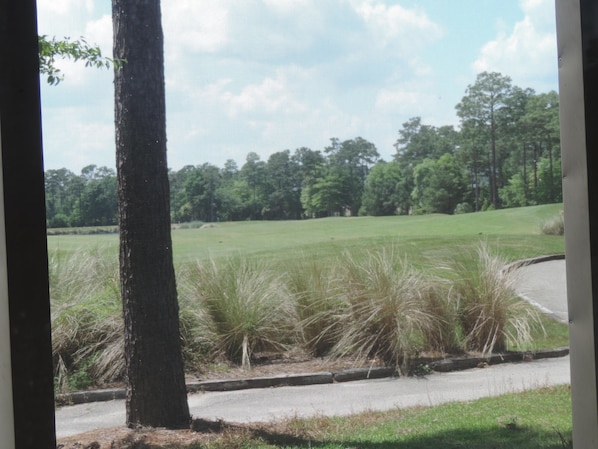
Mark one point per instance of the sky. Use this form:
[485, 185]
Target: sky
[269, 75]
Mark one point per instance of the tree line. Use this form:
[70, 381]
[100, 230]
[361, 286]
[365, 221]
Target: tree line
[505, 153]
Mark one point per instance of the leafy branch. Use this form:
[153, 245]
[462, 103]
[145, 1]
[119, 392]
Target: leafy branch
[76, 50]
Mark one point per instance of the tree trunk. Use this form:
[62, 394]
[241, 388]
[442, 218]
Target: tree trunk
[493, 175]
[156, 392]
[525, 192]
[551, 170]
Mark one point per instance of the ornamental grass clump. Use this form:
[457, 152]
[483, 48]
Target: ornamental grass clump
[87, 328]
[490, 314]
[249, 305]
[392, 310]
[554, 225]
[317, 292]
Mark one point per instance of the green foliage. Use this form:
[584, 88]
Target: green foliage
[514, 194]
[78, 50]
[88, 199]
[385, 192]
[439, 185]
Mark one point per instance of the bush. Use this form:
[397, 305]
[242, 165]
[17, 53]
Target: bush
[393, 311]
[463, 208]
[87, 328]
[59, 221]
[317, 296]
[87, 324]
[490, 315]
[554, 225]
[249, 305]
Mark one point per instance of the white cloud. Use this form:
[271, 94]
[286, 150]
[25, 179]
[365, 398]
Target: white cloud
[63, 7]
[87, 140]
[63, 18]
[528, 52]
[288, 6]
[99, 32]
[394, 23]
[271, 96]
[195, 26]
[404, 100]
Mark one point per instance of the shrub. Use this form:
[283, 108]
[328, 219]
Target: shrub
[489, 313]
[463, 208]
[87, 324]
[392, 310]
[554, 225]
[87, 328]
[249, 305]
[59, 221]
[317, 293]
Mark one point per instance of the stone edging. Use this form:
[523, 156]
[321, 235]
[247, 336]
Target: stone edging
[325, 377]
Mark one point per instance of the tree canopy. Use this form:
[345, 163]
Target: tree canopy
[505, 153]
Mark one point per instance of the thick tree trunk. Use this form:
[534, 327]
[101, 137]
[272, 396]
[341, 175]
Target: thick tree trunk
[156, 393]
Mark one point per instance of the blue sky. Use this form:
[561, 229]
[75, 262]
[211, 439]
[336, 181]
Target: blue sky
[270, 75]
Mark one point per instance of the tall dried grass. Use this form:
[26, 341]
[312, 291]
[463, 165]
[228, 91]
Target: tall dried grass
[366, 305]
[249, 305]
[554, 225]
[317, 292]
[490, 314]
[393, 311]
[87, 328]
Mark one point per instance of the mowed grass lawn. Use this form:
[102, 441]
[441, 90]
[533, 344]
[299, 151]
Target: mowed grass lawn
[514, 233]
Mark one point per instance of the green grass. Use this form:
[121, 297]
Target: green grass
[516, 232]
[529, 420]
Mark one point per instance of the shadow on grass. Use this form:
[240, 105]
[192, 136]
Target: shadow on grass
[506, 436]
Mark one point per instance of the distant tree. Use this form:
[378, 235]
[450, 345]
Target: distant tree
[156, 391]
[349, 163]
[482, 106]
[97, 201]
[63, 188]
[439, 185]
[385, 192]
[283, 187]
[253, 173]
[417, 142]
[198, 190]
[541, 120]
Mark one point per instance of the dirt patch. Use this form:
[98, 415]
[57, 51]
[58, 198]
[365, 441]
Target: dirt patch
[201, 432]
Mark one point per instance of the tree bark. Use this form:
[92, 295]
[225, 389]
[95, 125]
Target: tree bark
[156, 392]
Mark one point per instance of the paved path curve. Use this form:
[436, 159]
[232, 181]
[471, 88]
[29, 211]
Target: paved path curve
[544, 284]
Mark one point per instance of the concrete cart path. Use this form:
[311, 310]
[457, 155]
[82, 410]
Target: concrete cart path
[337, 399]
[541, 283]
[544, 285]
